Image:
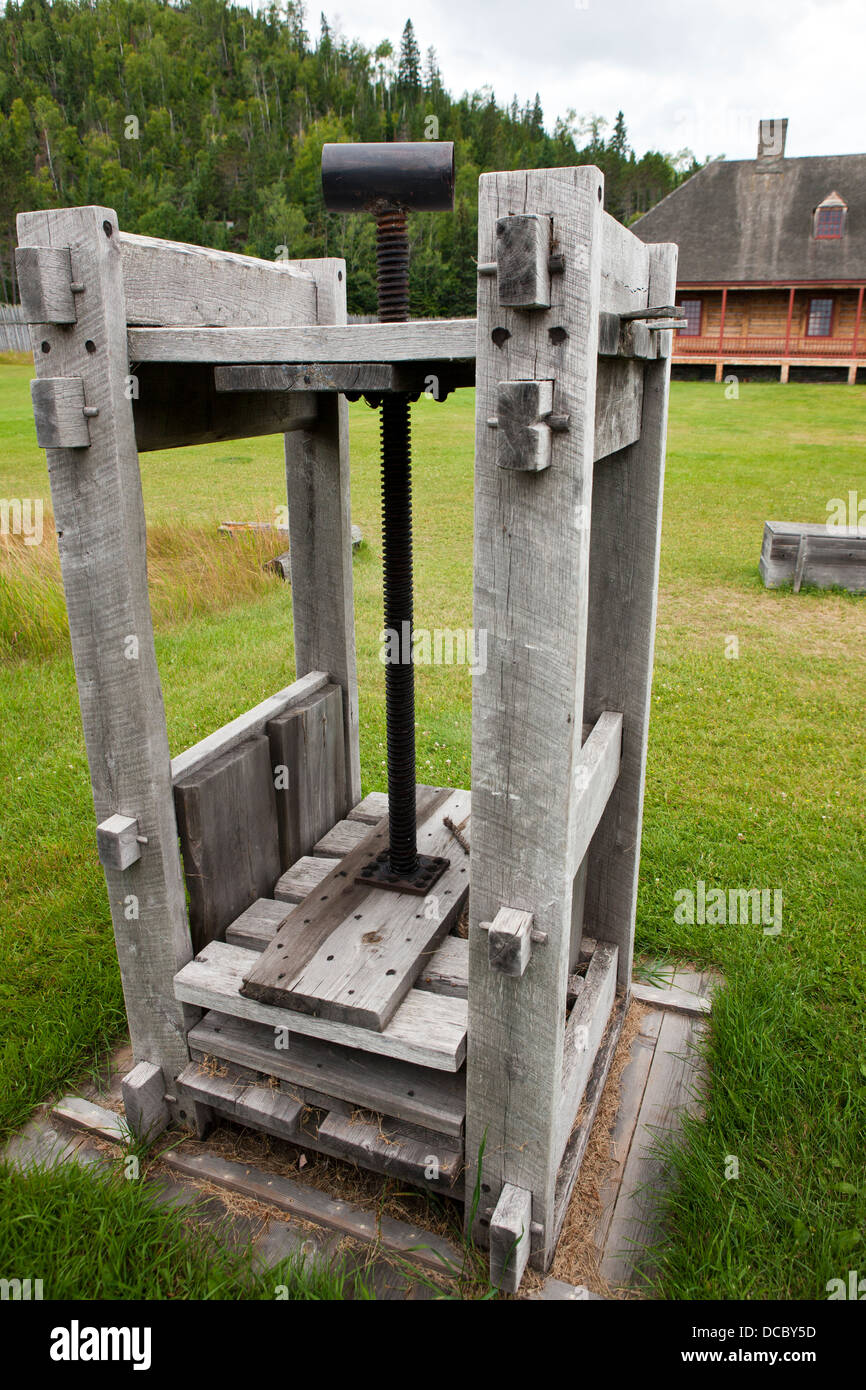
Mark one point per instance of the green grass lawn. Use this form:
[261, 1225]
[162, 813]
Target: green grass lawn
[755, 779]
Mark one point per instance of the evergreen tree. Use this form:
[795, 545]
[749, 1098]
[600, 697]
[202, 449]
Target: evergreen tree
[203, 121]
[409, 69]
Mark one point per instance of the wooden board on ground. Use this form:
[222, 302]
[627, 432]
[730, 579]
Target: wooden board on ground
[309, 770]
[417, 1244]
[227, 822]
[435, 1100]
[667, 1095]
[291, 972]
[428, 1029]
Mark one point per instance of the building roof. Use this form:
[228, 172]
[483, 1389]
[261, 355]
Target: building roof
[751, 219]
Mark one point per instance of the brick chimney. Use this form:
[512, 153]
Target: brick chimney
[771, 138]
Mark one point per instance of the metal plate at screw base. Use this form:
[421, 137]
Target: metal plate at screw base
[377, 874]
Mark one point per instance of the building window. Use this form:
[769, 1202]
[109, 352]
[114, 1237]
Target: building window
[828, 223]
[692, 310]
[820, 318]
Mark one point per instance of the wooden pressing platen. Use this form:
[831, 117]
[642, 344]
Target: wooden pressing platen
[363, 1061]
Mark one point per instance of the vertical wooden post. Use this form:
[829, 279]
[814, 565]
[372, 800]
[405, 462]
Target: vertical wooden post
[624, 566]
[530, 594]
[99, 516]
[852, 370]
[789, 320]
[320, 535]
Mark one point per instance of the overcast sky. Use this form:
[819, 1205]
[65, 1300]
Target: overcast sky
[686, 73]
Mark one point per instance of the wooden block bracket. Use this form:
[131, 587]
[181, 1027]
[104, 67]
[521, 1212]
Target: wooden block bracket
[61, 413]
[46, 285]
[510, 939]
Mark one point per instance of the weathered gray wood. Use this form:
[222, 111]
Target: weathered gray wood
[307, 749]
[418, 341]
[446, 971]
[45, 284]
[176, 404]
[618, 404]
[800, 563]
[579, 1138]
[371, 809]
[261, 1107]
[823, 556]
[427, 1029]
[338, 897]
[669, 1094]
[58, 410]
[377, 1144]
[522, 260]
[147, 1112]
[304, 875]
[227, 822]
[523, 438]
[583, 1033]
[509, 941]
[253, 721]
[623, 586]
[367, 964]
[617, 338]
[414, 1243]
[307, 376]
[99, 518]
[92, 1119]
[352, 952]
[342, 837]
[320, 532]
[435, 1100]
[510, 1238]
[530, 593]
[680, 1000]
[172, 282]
[117, 842]
[256, 924]
[595, 772]
[631, 1091]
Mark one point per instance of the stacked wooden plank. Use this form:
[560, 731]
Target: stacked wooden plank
[367, 1065]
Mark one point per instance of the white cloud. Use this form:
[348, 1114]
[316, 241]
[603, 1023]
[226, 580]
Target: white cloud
[684, 72]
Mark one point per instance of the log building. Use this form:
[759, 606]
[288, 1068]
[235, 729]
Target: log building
[772, 262]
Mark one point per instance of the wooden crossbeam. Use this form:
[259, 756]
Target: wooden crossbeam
[419, 341]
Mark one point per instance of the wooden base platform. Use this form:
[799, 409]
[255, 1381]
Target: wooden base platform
[381, 1082]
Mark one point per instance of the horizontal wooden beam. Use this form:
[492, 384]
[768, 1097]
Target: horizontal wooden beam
[172, 282]
[419, 341]
[429, 1029]
[436, 377]
[246, 725]
[178, 404]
